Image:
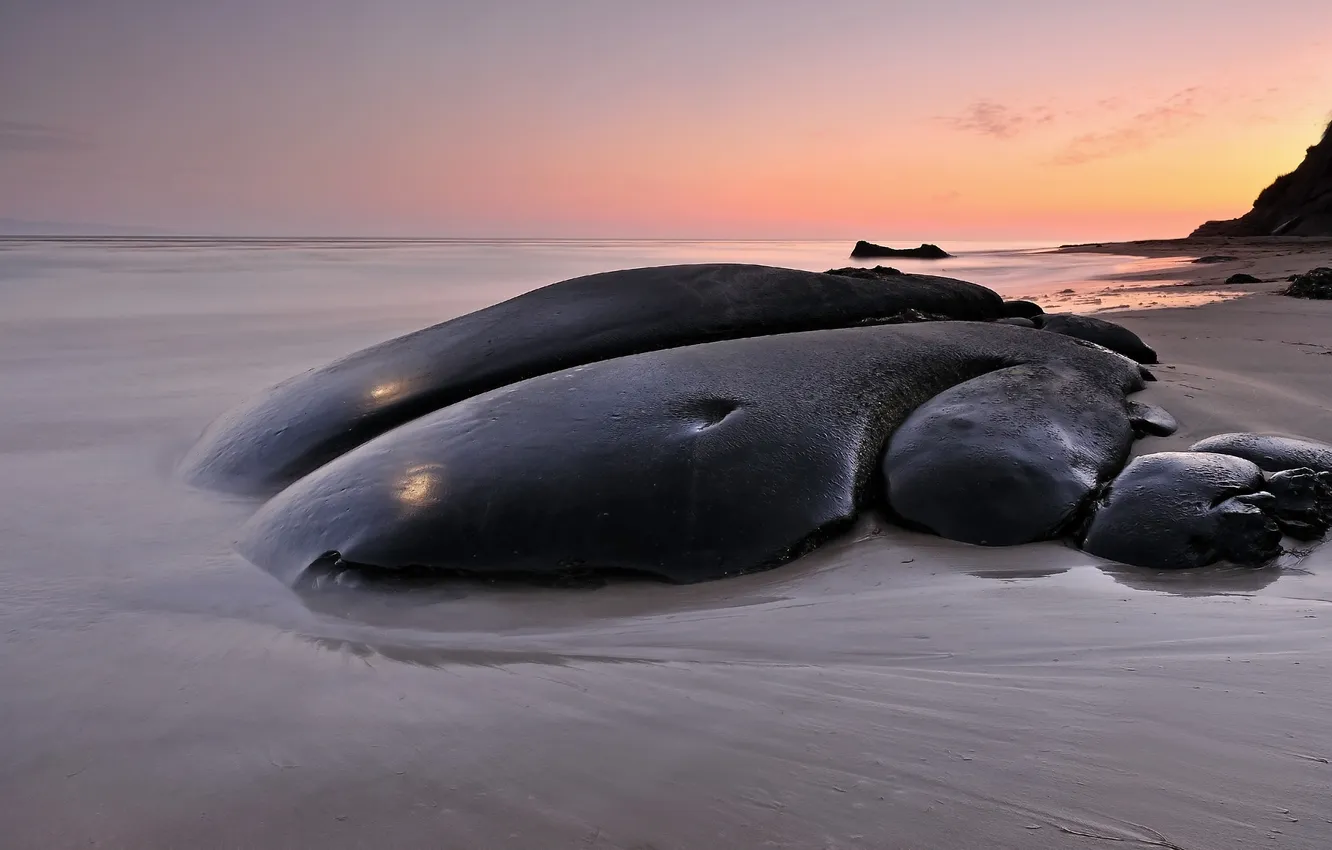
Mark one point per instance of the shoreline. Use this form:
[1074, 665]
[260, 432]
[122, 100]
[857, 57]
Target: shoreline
[1270, 258]
[1167, 275]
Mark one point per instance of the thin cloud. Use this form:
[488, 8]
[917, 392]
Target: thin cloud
[23, 137]
[997, 120]
[1178, 113]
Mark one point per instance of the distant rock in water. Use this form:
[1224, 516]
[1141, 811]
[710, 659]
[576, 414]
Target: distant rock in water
[924, 252]
[864, 273]
[1312, 284]
[1216, 258]
[1243, 278]
[1296, 204]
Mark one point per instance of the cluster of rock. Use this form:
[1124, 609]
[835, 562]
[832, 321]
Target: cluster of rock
[1296, 204]
[1316, 283]
[697, 422]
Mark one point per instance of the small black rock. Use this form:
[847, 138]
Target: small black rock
[1242, 278]
[1022, 309]
[1216, 258]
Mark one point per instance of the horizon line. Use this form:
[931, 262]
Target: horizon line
[124, 237]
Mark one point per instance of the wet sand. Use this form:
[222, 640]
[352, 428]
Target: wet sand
[890, 691]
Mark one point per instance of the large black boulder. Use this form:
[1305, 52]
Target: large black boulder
[308, 420]
[692, 463]
[1176, 510]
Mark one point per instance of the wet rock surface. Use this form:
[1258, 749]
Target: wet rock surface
[1183, 509]
[1114, 337]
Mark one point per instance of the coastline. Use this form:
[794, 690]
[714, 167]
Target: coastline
[1163, 274]
[1271, 258]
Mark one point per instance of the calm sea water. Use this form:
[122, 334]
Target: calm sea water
[440, 277]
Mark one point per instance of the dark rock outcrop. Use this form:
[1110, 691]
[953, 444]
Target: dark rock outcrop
[710, 460]
[925, 252]
[1312, 284]
[866, 274]
[1183, 509]
[1296, 204]
[1242, 278]
[1215, 258]
[1011, 456]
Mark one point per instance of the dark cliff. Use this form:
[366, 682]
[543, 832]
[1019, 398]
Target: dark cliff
[1296, 204]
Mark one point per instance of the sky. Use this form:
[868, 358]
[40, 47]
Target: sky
[931, 120]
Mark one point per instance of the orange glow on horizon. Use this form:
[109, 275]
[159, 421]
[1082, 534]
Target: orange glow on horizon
[670, 120]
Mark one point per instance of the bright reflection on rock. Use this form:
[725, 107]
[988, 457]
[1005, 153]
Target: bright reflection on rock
[421, 485]
[386, 391]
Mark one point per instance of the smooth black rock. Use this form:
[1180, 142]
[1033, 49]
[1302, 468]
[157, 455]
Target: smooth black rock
[1242, 278]
[1270, 452]
[1176, 510]
[1150, 420]
[687, 464]
[308, 420]
[1216, 258]
[1013, 456]
[1112, 336]
[926, 251]
[1022, 309]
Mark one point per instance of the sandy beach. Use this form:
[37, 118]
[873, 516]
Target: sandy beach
[892, 690]
[1271, 259]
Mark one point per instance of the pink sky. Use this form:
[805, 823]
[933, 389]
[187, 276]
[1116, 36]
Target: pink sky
[605, 118]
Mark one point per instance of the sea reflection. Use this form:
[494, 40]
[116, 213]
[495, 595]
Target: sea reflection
[1219, 580]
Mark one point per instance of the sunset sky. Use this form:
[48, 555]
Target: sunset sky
[947, 119]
